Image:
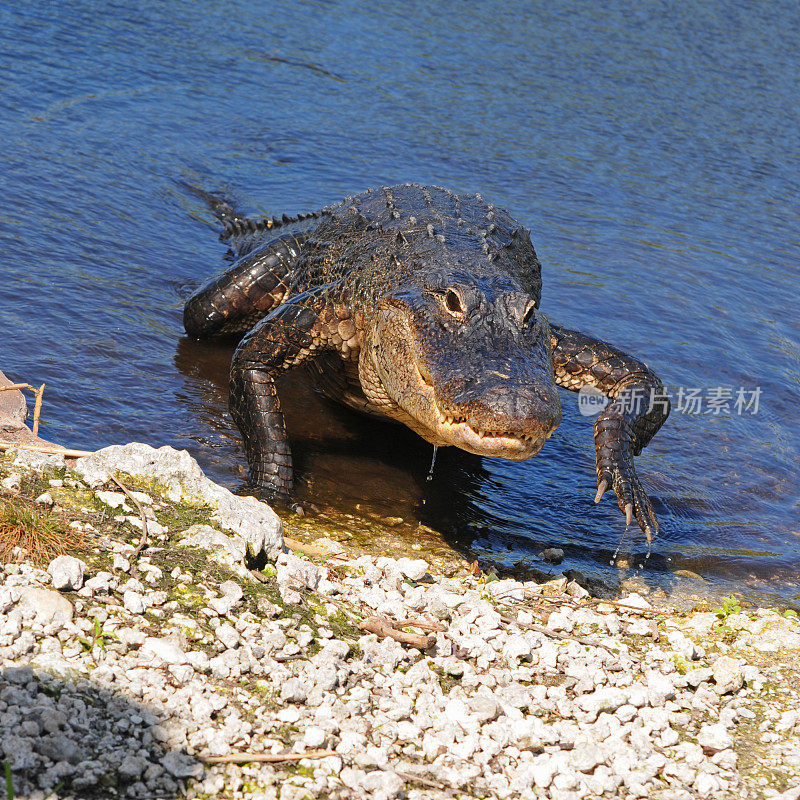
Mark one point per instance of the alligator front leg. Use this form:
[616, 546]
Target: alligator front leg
[637, 410]
[256, 283]
[288, 336]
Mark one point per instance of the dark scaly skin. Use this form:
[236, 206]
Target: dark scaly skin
[236, 300]
[253, 398]
[626, 425]
[419, 305]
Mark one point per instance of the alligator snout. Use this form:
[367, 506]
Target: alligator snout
[503, 408]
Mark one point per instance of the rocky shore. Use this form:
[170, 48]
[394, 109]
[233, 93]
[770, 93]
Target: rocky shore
[213, 662]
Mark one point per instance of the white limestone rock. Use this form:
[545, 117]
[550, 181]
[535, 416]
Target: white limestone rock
[44, 606]
[37, 462]
[67, 573]
[728, 676]
[253, 521]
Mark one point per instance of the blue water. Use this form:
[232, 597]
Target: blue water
[652, 148]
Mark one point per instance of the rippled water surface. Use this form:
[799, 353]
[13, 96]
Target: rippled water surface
[652, 148]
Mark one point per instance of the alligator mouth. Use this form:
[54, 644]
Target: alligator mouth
[459, 432]
[456, 431]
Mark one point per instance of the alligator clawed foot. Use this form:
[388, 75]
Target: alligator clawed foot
[631, 497]
[287, 502]
[276, 499]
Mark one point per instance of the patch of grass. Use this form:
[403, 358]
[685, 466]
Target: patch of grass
[34, 483]
[730, 606]
[9, 781]
[183, 515]
[343, 627]
[100, 638]
[40, 534]
[177, 516]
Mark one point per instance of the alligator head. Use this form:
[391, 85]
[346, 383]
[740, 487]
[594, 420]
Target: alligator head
[464, 361]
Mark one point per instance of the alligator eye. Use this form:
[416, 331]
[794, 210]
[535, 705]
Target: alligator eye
[529, 315]
[453, 302]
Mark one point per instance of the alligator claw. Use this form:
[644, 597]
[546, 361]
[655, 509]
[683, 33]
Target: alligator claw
[277, 499]
[632, 500]
[615, 468]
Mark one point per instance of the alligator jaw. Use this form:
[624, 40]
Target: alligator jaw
[462, 434]
[443, 430]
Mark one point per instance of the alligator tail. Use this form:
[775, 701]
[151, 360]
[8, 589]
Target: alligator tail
[220, 208]
[235, 224]
[243, 226]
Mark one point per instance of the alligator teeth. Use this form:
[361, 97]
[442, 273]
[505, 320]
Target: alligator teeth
[483, 434]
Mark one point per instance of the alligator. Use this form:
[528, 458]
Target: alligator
[422, 306]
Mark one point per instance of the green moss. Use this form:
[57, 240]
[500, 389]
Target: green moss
[446, 680]
[342, 626]
[286, 733]
[680, 664]
[183, 515]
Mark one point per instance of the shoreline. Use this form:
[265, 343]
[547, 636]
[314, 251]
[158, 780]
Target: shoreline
[150, 673]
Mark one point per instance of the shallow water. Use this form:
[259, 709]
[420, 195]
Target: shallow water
[652, 149]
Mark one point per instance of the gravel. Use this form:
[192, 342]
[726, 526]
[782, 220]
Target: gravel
[125, 676]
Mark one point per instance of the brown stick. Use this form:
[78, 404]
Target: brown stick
[626, 606]
[305, 549]
[419, 623]
[554, 634]
[383, 627]
[51, 450]
[565, 599]
[37, 409]
[412, 778]
[259, 576]
[266, 758]
[143, 540]
[16, 386]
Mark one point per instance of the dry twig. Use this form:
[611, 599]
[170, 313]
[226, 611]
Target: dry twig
[50, 450]
[532, 600]
[143, 541]
[266, 758]
[15, 386]
[384, 627]
[554, 634]
[419, 623]
[412, 778]
[305, 549]
[37, 409]
[37, 406]
[259, 576]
